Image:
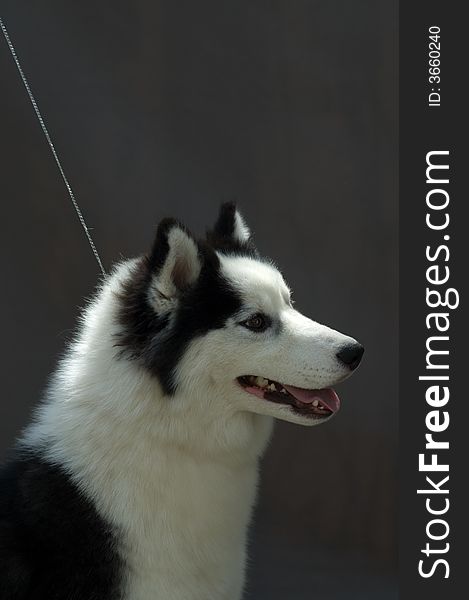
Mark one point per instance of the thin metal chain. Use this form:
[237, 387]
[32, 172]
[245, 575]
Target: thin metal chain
[51, 145]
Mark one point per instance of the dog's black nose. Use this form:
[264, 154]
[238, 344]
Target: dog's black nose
[351, 355]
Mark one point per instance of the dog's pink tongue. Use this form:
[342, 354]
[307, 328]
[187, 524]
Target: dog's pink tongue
[326, 396]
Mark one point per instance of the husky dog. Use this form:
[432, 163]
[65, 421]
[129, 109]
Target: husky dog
[137, 476]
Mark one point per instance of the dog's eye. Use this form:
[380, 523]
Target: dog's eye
[257, 322]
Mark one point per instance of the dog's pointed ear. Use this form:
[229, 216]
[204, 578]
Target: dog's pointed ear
[175, 259]
[230, 228]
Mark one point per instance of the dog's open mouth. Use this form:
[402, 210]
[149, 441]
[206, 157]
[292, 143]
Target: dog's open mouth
[317, 404]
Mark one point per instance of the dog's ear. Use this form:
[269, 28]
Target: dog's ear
[230, 228]
[175, 260]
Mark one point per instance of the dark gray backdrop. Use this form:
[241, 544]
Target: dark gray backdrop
[168, 108]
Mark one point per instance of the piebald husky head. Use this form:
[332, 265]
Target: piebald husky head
[214, 325]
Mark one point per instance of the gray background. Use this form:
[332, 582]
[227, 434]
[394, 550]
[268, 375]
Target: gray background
[169, 108]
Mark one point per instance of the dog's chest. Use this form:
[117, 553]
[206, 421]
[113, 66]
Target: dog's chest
[185, 533]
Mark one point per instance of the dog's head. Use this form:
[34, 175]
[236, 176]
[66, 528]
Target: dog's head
[214, 323]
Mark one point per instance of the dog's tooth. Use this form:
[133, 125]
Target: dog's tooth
[315, 402]
[272, 387]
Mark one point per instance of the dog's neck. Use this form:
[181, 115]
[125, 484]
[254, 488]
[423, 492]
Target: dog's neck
[174, 484]
[106, 412]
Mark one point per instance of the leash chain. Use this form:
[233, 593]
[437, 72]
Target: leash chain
[52, 147]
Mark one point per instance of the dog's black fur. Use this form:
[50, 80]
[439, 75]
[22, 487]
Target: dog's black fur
[53, 543]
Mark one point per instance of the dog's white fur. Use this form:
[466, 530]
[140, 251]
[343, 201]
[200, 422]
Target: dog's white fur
[178, 478]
